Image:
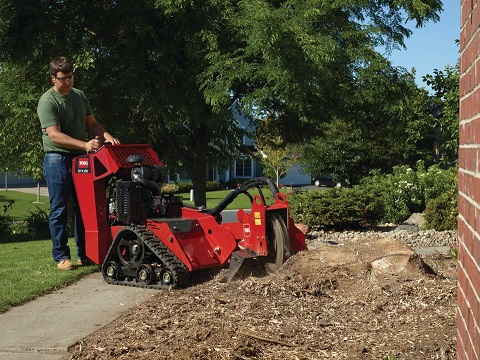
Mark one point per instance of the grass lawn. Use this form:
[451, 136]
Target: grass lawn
[23, 204]
[241, 201]
[27, 271]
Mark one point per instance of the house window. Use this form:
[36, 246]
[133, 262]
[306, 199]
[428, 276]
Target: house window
[213, 174]
[183, 175]
[243, 168]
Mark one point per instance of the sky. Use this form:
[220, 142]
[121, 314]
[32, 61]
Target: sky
[433, 46]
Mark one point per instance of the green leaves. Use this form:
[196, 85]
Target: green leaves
[277, 158]
[337, 208]
[446, 99]
[20, 134]
[407, 190]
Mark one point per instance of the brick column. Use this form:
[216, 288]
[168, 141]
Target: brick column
[468, 302]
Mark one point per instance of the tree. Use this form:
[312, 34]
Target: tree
[166, 72]
[277, 161]
[275, 154]
[433, 119]
[400, 123]
[341, 152]
[417, 110]
[446, 100]
[20, 131]
[370, 132]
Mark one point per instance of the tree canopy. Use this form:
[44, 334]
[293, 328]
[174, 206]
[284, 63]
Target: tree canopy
[400, 124]
[446, 104]
[166, 72]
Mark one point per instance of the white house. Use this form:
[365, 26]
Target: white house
[13, 180]
[249, 168]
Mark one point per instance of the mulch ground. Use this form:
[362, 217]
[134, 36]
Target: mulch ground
[312, 308]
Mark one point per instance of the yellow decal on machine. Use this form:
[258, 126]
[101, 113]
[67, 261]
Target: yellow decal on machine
[256, 214]
[258, 221]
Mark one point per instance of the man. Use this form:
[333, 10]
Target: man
[65, 114]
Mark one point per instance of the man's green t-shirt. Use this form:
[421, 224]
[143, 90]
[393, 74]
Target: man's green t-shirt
[68, 111]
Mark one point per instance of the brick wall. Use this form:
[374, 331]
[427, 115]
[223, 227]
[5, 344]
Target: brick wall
[468, 306]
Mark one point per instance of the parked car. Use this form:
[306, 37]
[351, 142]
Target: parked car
[328, 181]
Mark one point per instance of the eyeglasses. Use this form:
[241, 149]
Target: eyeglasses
[65, 79]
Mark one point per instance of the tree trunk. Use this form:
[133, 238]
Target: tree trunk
[199, 178]
[200, 190]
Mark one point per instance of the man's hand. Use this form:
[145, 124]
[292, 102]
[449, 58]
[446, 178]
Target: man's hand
[93, 144]
[110, 139]
[97, 129]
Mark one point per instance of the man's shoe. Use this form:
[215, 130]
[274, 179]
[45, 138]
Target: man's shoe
[85, 262]
[65, 265]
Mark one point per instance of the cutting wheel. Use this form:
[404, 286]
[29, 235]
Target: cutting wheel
[278, 243]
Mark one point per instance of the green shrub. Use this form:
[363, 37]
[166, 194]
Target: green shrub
[185, 187]
[407, 191]
[232, 183]
[5, 221]
[37, 224]
[174, 188]
[400, 192]
[169, 188]
[5, 229]
[441, 213]
[337, 208]
[388, 198]
[213, 186]
[437, 181]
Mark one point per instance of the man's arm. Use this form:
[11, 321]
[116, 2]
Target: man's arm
[57, 136]
[97, 130]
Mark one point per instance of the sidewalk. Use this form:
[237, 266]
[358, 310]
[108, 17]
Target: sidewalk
[45, 328]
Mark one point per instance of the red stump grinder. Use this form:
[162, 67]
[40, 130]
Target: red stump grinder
[141, 238]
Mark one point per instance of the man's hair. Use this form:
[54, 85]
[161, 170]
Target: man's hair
[60, 64]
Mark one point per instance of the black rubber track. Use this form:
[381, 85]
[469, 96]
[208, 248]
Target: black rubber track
[160, 250]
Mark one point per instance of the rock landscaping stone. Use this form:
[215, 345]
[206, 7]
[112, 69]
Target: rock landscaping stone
[414, 239]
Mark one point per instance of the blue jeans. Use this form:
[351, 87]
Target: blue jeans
[57, 169]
